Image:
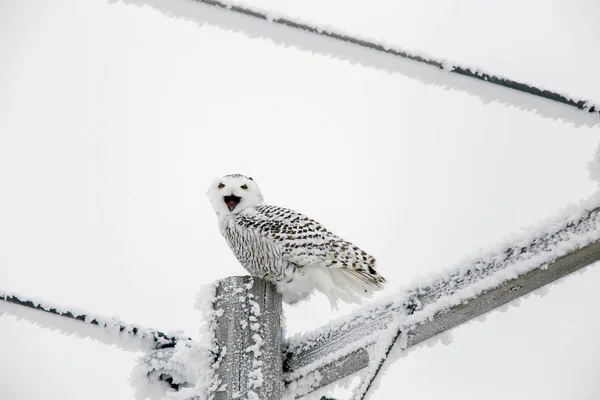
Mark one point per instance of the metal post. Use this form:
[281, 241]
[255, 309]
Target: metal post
[248, 333]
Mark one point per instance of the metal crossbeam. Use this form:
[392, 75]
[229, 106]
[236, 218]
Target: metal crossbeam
[341, 349]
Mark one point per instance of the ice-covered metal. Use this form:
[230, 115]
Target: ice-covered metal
[460, 294]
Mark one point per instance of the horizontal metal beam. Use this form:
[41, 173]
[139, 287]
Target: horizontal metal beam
[433, 308]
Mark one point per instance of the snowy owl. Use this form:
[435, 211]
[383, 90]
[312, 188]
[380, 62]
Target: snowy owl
[295, 252]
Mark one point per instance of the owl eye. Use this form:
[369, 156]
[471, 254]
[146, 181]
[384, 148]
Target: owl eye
[245, 187]
[221, 186]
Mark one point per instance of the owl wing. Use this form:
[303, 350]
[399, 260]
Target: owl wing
[305, 242]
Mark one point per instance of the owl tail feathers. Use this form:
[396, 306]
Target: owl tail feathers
[345, 284]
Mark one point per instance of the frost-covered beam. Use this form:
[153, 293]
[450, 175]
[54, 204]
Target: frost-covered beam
[265, 15]
[158, 338]
[508, 291]
[473, 288]
[322, 40]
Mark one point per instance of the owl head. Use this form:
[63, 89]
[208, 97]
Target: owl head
[231, 194]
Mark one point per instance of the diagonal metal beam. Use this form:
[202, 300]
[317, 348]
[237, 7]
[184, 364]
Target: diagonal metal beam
[456, 69]
[486, 283]
[159, 339]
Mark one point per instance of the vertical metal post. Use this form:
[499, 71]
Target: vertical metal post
[248, 333]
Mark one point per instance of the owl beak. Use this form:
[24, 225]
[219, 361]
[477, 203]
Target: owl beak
[232, 201]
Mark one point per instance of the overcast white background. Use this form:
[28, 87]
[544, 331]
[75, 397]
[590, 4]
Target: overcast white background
[115, 117]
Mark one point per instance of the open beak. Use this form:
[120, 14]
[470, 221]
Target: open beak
[232, 201]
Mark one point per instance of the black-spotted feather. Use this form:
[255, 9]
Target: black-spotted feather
[305, 242]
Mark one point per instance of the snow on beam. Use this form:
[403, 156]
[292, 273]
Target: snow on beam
[472, 288]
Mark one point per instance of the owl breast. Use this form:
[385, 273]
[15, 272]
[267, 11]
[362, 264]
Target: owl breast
[257, 254]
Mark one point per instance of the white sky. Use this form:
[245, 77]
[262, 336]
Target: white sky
[115, 118]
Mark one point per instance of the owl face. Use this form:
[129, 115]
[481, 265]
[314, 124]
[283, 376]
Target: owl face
[231, 194]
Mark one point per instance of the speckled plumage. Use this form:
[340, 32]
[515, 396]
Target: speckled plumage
[296, 252]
